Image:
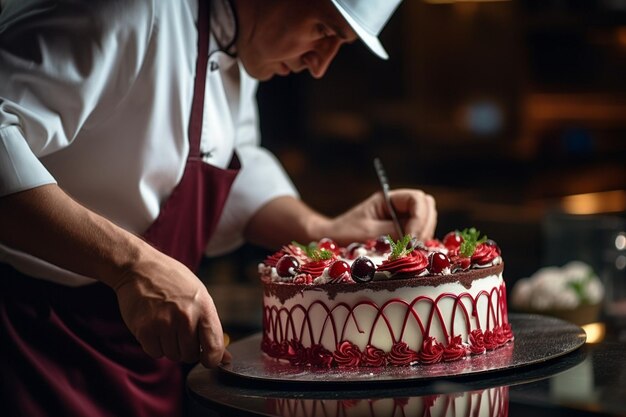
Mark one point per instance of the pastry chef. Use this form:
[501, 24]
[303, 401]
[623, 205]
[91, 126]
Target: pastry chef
[129, 148]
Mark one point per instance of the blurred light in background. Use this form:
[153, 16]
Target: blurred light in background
[593, 203]
[483, 117]
[595, 332]
[620, 241]
[620, 245]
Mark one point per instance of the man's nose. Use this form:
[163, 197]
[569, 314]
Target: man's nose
[318, 60]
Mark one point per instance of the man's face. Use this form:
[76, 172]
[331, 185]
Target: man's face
[278, 37]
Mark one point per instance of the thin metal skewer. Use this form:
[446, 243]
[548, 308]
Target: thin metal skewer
[384, 183]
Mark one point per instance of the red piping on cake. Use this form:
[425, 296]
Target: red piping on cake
[280, 331]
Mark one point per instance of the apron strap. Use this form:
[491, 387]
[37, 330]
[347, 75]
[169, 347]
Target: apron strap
[197, 107]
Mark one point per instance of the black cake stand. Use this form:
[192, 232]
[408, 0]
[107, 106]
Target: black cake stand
[543, 347]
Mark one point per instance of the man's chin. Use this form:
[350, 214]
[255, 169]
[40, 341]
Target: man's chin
[265, 77]
[260, 75]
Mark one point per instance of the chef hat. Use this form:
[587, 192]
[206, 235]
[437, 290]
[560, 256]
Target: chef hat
[367, 18]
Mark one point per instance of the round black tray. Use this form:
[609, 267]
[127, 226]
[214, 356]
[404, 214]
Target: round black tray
[537, 339]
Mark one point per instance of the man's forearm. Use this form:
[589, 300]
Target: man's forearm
[285, 219]
[48, 224]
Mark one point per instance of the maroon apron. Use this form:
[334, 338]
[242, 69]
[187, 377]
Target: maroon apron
[66, 351]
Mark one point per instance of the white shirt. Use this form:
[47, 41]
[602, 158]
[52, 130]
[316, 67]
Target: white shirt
[96, 95]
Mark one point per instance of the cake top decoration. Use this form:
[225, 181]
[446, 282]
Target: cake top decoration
[378, 259]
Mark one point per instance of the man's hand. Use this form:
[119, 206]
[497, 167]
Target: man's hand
[284, 219]
[415, 209]
[171, 313]
[163, 303]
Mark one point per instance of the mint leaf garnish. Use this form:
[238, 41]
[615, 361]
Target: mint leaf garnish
[400, 248]
[313, 252]
[471, 239]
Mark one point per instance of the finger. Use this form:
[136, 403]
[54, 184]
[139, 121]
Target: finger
[169, 344]
[377, 228]
[151, 345]
[424, 209]
[188, 344]
[431, 221]
[227, 357]
[211, 340]
[420, 225]
[211, 351]
[404, 200]
[412, 205]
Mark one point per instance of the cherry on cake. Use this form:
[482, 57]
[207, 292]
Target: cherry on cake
[384, 302]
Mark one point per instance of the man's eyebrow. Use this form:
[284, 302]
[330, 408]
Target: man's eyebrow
[337, 28]
[339, 31]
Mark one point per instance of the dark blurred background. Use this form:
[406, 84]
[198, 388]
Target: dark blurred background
[512, 114]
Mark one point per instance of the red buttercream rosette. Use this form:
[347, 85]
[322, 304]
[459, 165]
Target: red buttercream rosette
[412, 264]
[275, 349]
[347, 355]
[290, 249]
[434, 244]
[273, 259]
[455, 350]
[477, 342]
[457, 261]
[419, 253]
[315, 268]
[297, 354]
[499, 335]
[431, 352]
[320, 357]
[372, 356]
[303, 279]
[489, 338]
[266, 345]
[401, 354]
[484, 254]
[370, 244]
[508, 331]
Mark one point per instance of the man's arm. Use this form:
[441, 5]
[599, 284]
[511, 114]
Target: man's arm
[284, 219]
[162, 302]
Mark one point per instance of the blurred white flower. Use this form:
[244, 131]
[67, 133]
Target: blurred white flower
[558, 288]
[595, 291]
[522, 292]
[549, 273]
[576, 271]
[566, 299]
[541, 300]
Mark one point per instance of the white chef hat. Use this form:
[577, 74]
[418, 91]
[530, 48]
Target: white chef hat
[367, 18]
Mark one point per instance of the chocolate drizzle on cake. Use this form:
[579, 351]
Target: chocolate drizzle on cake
[286, 290]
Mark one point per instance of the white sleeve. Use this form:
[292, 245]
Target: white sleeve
[261, 179]
[63, 64]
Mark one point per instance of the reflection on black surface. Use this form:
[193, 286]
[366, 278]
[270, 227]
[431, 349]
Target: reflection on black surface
[492, 402]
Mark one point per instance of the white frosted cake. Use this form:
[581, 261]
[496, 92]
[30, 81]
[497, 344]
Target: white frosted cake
[384, 303]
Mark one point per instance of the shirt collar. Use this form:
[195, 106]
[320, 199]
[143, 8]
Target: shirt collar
[223, 26]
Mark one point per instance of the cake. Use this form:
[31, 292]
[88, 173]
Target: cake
[492, 402]
[384, 302]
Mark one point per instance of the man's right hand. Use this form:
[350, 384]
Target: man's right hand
[163, 303]
[170, 312]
